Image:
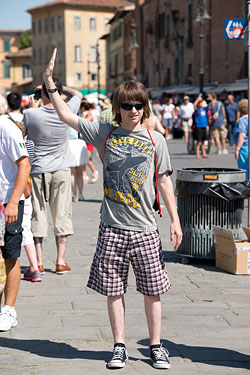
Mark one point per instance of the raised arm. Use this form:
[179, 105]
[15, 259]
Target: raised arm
[197, 100]
[69, 92]
[60, 106]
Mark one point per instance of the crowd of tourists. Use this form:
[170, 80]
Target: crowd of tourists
[224, 122]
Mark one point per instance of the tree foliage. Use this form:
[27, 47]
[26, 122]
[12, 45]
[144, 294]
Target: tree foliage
[25, 40]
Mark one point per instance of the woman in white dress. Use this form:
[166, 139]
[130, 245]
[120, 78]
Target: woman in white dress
[80, 159]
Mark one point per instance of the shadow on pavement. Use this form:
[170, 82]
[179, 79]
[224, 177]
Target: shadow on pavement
[92, 201]
[202, 354]
[51, 349]
[206, 264]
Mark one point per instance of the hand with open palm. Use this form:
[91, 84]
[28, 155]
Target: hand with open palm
[47, 75]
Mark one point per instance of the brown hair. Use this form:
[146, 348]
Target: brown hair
[243, 107]
[58, 85]
[131, 91]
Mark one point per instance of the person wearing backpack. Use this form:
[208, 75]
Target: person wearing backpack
[135, 163]
[201, 126]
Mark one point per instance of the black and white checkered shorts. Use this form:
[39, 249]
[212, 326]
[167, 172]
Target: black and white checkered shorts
[115, 249]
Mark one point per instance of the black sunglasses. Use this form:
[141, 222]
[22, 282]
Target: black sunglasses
[129, 106]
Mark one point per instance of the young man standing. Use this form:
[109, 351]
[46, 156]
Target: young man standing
[132, 157]
[14, 173]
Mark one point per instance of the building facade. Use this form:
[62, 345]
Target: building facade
[9, 43]
[169, 42]
[121, 48]
[20, 70]
[75, 28]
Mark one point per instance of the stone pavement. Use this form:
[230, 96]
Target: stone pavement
[63, 327]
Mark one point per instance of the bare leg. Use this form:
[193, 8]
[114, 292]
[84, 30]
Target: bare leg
[203, 150]
[61, 249]
[223, 143]
[217, 142]
[197, 149]
[13, 274]
[84, 174]
[32, 257]
[79, 180]
[90, 163]
[153, 313]
[186, 134]
[116, 310]
[170, 129]
[2, 286]
[39, 254]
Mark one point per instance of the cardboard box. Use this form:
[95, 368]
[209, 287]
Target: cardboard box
[232, 255]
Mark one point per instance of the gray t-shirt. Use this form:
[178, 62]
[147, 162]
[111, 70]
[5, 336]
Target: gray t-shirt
[128, 173]
[50, 137]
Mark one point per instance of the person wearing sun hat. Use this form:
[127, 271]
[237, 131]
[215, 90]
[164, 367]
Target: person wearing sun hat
[186, 116]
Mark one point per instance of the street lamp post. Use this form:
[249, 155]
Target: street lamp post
[88, 75]
[201, 18]
[98, 70]
[133, 47]
[201, 36]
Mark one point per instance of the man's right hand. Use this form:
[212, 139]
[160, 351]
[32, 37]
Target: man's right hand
[11, 213]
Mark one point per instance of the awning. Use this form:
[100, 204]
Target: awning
[85, 92]
[154, 92]
[239, 85]
[180, 89]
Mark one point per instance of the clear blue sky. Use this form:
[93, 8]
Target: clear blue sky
[13, 13]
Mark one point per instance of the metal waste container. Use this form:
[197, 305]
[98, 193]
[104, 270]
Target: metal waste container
[207, 197]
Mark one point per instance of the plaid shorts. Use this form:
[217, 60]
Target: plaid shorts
[115, 249]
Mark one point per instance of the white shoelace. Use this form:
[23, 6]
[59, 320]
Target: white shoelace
[161, 354]
[118, 353]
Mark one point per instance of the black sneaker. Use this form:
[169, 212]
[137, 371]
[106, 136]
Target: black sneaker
[119, 357]
[159, 357]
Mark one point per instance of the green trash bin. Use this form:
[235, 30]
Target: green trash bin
[207, 197]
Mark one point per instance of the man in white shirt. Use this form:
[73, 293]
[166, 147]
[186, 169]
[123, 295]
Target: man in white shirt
[14, 173]
[185, 117]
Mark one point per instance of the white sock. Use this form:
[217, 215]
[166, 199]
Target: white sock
[10, 307]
